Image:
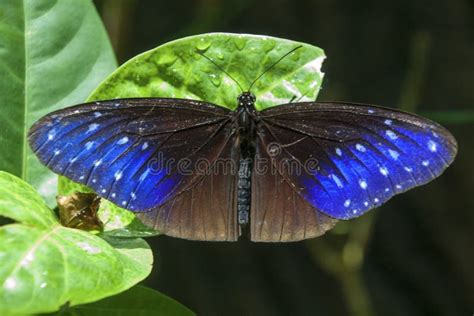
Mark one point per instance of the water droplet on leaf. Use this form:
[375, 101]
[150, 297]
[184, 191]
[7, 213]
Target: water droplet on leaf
[203, 44]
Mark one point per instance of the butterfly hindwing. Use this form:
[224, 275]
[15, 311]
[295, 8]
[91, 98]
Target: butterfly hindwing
[131, 151]
[353, 157]
[278, 213]
[207, 210]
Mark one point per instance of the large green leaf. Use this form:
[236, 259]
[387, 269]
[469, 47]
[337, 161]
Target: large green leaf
[177, 69]
[138, 301]
[52, 54]
[45, 265]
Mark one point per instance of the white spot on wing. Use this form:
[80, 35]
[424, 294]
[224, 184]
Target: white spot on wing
[360, 148]
[51, 134]
[97, 114]
[376, 200]
[97, 162]
[393, 154]
[118, 175]
[388, 122]
[408, 169]
[347, 203]
[383, 171]
[432, 146]
[339, 152]
[370, 111]
[144, 146]
[57, 152]
[425, 163]
[363, 184]
[122, 140]
[337, 181]
[391, 134]
[88, 145]
[144, 175]
[93, 127]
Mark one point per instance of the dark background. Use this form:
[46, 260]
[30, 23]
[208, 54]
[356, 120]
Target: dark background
[414, 255]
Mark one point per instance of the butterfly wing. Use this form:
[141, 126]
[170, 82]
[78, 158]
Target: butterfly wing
[137, 153]
[346, 159]
[278, 212]
[206, 211]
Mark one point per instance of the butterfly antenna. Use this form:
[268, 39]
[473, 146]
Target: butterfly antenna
[221, 69]
[273, 65]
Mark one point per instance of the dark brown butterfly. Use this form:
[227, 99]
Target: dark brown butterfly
[195, 170]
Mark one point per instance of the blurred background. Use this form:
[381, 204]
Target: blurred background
[412, 256]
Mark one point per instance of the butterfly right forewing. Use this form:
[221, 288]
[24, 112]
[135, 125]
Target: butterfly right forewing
[353, 157]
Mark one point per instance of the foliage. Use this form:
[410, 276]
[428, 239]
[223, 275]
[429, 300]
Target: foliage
[44, 265]
[43, 69]
[138, 300]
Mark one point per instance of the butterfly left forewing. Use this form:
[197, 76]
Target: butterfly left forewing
[131, 151]
[359, 156]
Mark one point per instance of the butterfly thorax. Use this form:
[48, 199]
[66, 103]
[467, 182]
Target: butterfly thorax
[246, 108]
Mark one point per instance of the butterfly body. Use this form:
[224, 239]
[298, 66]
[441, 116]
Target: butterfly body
[246, 127]
[196, 170]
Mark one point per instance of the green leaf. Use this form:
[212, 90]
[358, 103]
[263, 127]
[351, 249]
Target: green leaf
[177, 70]
[121, 223]
[138, 301]
[52, 54]
[45, 265]
[20, 202]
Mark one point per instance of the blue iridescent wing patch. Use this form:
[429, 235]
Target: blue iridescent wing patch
[127, 150]
[345, 159]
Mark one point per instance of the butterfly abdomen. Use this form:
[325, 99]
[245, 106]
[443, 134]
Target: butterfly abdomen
[243, 190]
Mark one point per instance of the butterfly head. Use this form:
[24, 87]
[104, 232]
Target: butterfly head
[246, 99]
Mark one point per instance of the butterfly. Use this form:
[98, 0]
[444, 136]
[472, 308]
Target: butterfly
[196, 170]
